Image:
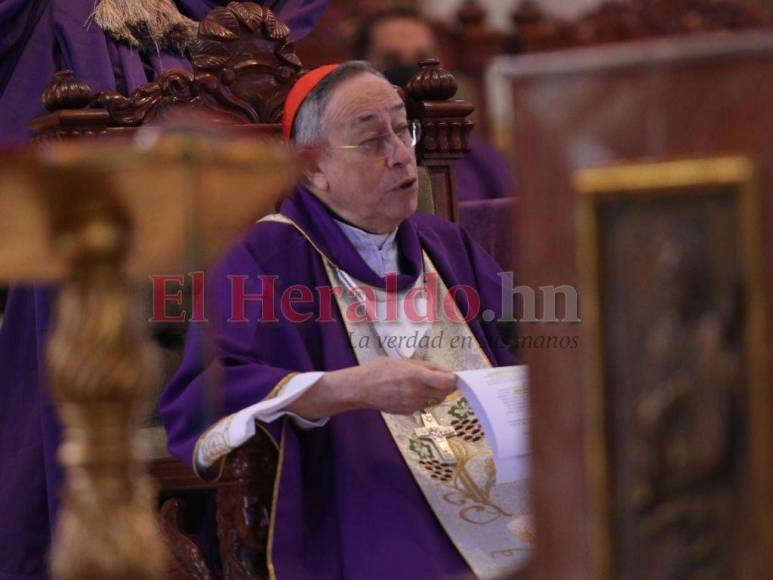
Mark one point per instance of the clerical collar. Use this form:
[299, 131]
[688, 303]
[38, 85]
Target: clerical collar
[378, 250]
[315, 220]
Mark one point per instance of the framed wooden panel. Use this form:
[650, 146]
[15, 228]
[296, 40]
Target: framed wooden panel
[678, 440]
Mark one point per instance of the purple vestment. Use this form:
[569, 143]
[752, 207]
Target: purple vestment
[347, 505]
[38, 37]
[487, 201]
[482, 173]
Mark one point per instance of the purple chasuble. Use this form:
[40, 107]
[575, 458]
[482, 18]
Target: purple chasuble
[347, 505]
[37, 38]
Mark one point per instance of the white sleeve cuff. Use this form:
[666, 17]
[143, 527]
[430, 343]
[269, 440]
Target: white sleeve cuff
[234, 430]
[288, 394]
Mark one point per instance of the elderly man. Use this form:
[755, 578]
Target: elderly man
[325, 330]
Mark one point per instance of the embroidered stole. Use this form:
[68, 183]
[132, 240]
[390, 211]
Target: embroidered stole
[490, 524]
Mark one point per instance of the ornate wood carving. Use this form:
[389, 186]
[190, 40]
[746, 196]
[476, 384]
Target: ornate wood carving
[244, 496]
[188, 561]
[616, 21]
[445, 129]
[675, 360]
[149, 101]
[431, 82]
[66, 92]
[67, 98]
[244, 64]
[244, 509]
[686, 442]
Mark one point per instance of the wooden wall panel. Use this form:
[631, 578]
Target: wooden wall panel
[700, 97]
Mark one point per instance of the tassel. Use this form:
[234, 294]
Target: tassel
[148, 25]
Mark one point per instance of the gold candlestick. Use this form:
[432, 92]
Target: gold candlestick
[97, 216]
[99, 365]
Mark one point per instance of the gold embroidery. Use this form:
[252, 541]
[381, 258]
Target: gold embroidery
[216, 446]
[274, 500]
[220, 466]
[481, 510]
[464, 497]
[279, 386]
[473, 491]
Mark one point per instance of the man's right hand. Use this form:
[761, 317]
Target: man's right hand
[399, 386]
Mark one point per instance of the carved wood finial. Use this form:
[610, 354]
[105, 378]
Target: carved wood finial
[528, 12]
[431, 83]
[471, 13]
[535, 29]
[66, 92]
[445, 129]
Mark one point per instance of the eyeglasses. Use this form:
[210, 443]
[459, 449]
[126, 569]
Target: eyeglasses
[382, 146]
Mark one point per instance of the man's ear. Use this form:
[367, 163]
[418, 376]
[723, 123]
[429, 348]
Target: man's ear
[309, 157]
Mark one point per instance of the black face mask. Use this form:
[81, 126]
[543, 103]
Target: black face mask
[401, 74]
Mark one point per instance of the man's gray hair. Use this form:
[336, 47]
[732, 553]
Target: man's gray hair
[307, 128]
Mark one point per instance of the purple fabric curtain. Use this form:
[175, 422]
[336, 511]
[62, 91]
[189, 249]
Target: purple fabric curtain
[37, 38]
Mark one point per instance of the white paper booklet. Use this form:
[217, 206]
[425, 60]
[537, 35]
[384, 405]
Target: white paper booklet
[499, 397]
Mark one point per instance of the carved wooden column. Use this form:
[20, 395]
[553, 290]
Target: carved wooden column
[244, 502]
[445, 130]
[188, 561]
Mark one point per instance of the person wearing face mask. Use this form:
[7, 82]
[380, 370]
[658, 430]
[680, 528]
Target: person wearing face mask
[394, 41]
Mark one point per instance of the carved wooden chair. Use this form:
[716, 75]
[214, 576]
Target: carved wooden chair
[243, 66]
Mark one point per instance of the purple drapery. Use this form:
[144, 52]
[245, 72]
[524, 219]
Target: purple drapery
[38, 37]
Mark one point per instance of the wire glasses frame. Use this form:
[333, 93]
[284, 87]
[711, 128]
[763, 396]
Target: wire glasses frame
[383, 145]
